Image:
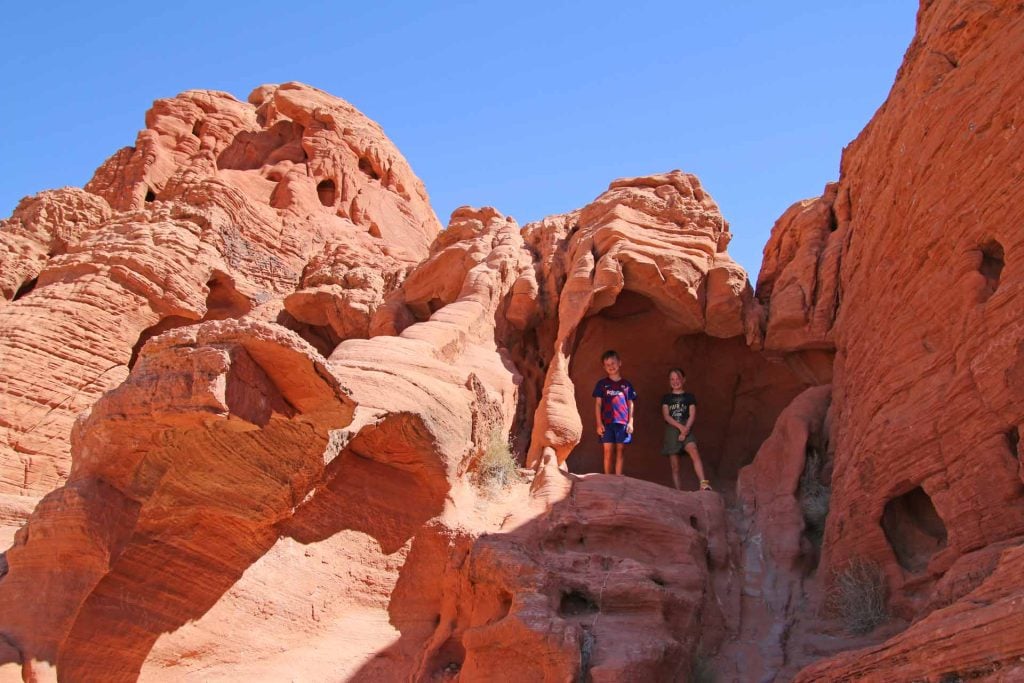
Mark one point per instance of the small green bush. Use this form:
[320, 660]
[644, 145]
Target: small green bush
[859, 597]
[498, 468]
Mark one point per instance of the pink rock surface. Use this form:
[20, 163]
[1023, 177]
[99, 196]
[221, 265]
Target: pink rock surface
[916, 287]
[287, 480]
[647, 255]
[215, 213]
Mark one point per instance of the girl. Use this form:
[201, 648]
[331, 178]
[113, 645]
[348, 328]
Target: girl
[679, 409]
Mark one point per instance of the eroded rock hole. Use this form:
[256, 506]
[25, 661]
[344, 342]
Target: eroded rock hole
[150, 195]
[26, 288]
[814, 495]
[374, 230]
[1013, 441]
[321, 337]
[223, 302]
[992, 262]
[447, 661]
[366, 167]
[914, 529]
[739, 393]
[195, 128]
[253, 149]
[327, 192]
[171, 322]
[575, 603]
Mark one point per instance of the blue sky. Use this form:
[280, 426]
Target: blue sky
[531, 107]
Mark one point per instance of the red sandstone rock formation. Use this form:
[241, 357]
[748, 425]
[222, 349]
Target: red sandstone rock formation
[285, 480]
[646, 260]
[215, 213]
[907, 267]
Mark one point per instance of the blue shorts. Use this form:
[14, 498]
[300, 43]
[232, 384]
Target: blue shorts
[616, 433]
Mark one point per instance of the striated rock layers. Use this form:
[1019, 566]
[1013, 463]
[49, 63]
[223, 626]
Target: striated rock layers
[236, 457]
[909, 268]
[221, 209]
[270, 401]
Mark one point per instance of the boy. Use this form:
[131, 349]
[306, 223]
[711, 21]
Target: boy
[613, 410]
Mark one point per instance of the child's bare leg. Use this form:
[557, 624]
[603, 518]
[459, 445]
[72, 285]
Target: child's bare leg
[607, 458]
[618, 458]
[698, 466]
[677, 477]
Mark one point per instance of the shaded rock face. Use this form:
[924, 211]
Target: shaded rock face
[270, 393]
[643, 270]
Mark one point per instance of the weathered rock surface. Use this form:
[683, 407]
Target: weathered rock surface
[221, 209]
[612, 582]
[646, 260]
[289, 480]
[906, 265]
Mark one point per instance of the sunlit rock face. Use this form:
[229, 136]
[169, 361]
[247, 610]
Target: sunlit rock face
[254, 396]
[222, 209]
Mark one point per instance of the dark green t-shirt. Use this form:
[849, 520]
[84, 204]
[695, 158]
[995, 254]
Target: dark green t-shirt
[679, 405]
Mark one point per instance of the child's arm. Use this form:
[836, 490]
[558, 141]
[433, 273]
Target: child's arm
[629, 425]
[597, 416]
[693, 418]
[668, 418]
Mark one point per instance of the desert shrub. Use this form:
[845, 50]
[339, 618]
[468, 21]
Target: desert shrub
[859, 596]
[814, 496]
[497, 468]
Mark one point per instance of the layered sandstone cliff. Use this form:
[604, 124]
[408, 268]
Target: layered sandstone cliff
[265, 386]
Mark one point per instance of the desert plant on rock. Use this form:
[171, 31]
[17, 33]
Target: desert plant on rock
[859, 596]
[497, 468]
[814, 496]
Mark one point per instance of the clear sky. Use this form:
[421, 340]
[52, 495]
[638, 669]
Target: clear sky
[531, 107]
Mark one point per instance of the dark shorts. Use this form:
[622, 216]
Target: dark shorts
[616, 433]
[672, 445]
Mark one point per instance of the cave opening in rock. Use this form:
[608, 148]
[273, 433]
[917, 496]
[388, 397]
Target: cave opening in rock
[150, 195]
[223, 302]
[26, 288]
[1013, 441]
[321, 337]
[992, 262]
[524, 348]
[447, 660]
[326, 192]
[739, 392]
[914, 529]
[367, 168]
[575, 603]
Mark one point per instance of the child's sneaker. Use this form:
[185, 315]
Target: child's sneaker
[705, 485]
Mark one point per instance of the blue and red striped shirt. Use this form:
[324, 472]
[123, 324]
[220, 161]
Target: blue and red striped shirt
[615, 396]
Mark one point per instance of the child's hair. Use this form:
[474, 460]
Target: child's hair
[678, 370]
[610, 354]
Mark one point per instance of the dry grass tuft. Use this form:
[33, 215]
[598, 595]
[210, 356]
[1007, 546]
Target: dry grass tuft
[498, 468]
[859, 597]
[814, 497]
